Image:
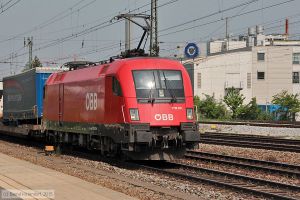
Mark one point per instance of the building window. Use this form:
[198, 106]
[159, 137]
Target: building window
[260, 56]
[248, 80]
[199, 80]
[295, 77]
[260, 75]
[296, 58]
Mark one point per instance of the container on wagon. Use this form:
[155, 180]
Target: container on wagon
[23, 95]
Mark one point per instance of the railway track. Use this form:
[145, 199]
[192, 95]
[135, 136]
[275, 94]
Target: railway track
[254, 186]
[273, 167]
[247, 184]
[251, 141]
[279, 124]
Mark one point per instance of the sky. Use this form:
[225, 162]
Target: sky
[69, 30]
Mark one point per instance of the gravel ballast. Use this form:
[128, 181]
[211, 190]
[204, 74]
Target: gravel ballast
[291, 133]
[259, 154]
[138, 183]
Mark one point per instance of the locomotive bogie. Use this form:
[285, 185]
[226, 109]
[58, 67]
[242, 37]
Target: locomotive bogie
[137, 141]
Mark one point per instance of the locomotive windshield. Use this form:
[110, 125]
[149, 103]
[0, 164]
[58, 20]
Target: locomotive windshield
[158, 86]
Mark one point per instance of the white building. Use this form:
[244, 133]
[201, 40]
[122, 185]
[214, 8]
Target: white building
[260, 66]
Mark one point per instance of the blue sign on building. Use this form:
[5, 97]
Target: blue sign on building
[191, 50]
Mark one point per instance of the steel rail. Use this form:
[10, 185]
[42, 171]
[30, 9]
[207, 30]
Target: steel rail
[252, 137]
[273, 167]
[250, 145]
[255, 186]
[281, 124]
[240, 140]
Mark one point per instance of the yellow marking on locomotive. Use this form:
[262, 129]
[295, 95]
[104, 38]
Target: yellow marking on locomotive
[49, 148]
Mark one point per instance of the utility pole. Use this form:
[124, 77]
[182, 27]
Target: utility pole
[11, 60]
[227, 34]
[154, 49]
[29, 44]
[226, 31]
[150, 28]
[127, 34]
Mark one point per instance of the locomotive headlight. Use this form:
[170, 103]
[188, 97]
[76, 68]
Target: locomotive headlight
[189, 113]
[134, 114]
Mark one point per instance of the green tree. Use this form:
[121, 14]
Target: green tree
[210, 108]
[197, 101]
[234, 100]
[250, 111]
[289, 104]
[267, 116]
[36, 62]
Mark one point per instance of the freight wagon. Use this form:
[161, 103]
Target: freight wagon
[23, 96]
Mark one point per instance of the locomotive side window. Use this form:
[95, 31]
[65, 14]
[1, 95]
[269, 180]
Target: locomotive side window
[116, 87]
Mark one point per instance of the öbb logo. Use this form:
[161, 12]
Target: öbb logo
[164, 117]
[91, 101]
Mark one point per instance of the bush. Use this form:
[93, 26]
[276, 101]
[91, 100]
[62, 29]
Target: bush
[289, 105]
[250, 111]
[234, 100]
[210, 108]
[266, 116]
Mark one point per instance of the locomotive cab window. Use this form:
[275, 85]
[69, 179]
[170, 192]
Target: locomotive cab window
[116, 87]
[158, 86]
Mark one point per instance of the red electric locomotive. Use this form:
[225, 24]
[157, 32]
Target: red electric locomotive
[140, 107]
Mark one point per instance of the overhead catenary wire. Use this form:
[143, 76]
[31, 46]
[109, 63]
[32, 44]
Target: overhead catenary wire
[3, 5]
[85, 31]
[209, 15]
[47, 22]
[116, 45]
[230, 17]
[3, 9]
[241, 31]
[100, 26]
[51, 20]
[67, 13]
[234, 16]
[234, 7]
[224, 24]
[18, 55]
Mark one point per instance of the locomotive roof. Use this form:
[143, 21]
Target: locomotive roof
[115, 67]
